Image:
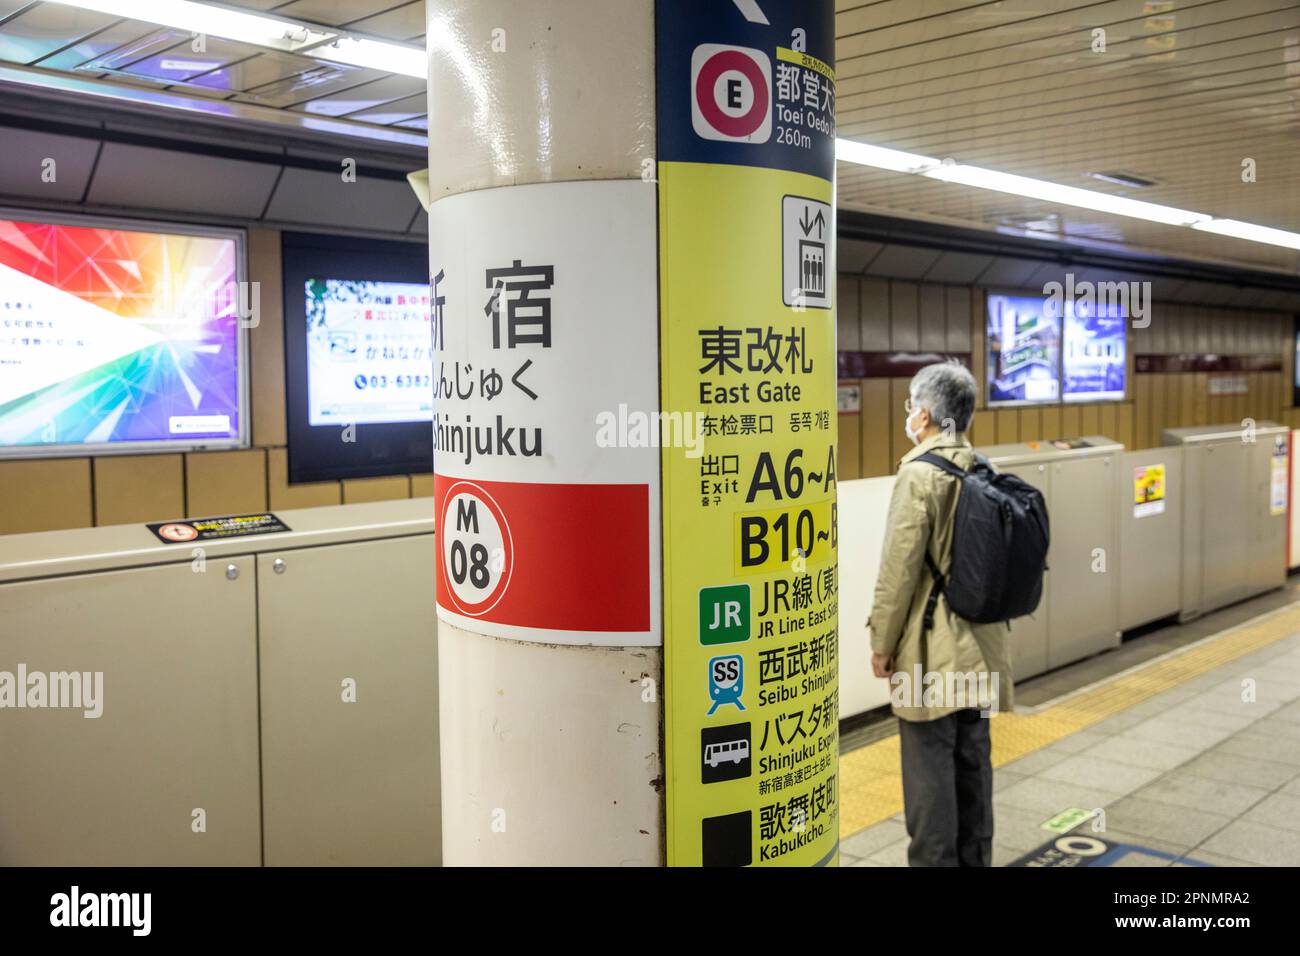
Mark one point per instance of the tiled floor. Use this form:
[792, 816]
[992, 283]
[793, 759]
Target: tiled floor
[1207, 771]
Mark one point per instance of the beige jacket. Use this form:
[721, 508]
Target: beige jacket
[957, 663]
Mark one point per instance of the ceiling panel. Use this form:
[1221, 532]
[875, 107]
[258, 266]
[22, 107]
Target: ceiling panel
[399, 111]
[402, 23]
[25, 156]
[959, 268]
[129, 175]
[853, 255]
[45, 28]
[95, 45]
[1005, 271]
[364, 96]
[333, 12]
[903, 262]
[319, 198]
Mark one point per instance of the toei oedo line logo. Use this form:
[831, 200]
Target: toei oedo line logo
[476, 553]
[731, 93]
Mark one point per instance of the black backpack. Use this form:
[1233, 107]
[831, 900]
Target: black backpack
[999, 546]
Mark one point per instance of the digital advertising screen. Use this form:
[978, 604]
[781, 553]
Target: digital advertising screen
[358, 345]
[118, 337]
[369, 352]
[1094, 359]
[1023, 343]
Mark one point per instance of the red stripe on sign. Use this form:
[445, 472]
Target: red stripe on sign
[561, 557]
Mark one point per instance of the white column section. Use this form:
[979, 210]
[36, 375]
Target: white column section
[550, 747]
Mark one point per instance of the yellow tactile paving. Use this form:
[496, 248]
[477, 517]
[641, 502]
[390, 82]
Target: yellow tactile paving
[871, 785]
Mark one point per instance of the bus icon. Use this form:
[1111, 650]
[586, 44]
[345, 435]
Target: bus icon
[729, 751]
[724, 752]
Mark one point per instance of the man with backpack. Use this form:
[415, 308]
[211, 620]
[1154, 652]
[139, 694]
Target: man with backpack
[964, 552]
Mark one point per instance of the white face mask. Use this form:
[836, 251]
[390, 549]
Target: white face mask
[912, 436]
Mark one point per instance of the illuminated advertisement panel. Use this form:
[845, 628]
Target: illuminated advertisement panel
[369, 353]
[1023, 345]
[118, 338]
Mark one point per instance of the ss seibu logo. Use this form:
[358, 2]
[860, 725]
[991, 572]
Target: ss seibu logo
[731, 93]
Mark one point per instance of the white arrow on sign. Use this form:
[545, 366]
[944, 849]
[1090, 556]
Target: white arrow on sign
[751, 12]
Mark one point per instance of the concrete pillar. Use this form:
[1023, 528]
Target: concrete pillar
[598, 217]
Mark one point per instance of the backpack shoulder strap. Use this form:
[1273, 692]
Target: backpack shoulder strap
[943, 464]
[936, 589]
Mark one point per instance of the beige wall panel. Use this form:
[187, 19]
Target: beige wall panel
[1201, 343]
[592, 119]
[1070, 422]
[848, 457]
[1159, 398]
[984, 428]
[877, 425]
[375, 489]
[1200, 395]
[1157, 334]
[977, 357]
[225, 482]
[1031, 424]
[1108, 421]
[1008, 425]
[960, 317]
[1176, 332]
[1142, 412]
[875, 315]
[898, 441]
[1171, 388]
[904, 317]
[933, 318]
[1127, 433]
[138, 488]
[1139, 338]
[848, 318]
[283, 495]
[1221, 335]
[1089, 420]
[42, 495]
[422, 486]
[266, 339]
[1050, 426]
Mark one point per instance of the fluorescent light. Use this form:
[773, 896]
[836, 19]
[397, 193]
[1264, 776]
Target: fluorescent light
[1248, 230]
[881, 157]
[285, 35]
[864, 154]
[210, 20]
[1065, 195]
[377, 55]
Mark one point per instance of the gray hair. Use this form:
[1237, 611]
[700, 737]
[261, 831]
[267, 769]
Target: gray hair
[947, 391]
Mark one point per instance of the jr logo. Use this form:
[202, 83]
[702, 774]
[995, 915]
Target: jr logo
[724, 614]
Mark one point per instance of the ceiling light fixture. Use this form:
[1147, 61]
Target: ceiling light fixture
[203, 18]
[864, 154]
[1248, 230]
[286, 36]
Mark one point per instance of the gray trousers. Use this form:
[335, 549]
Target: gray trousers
[948, 790]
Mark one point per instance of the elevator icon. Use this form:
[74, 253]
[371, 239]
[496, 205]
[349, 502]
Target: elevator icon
[806, 262]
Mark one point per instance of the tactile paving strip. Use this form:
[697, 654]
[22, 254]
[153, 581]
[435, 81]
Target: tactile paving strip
[871, 784]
